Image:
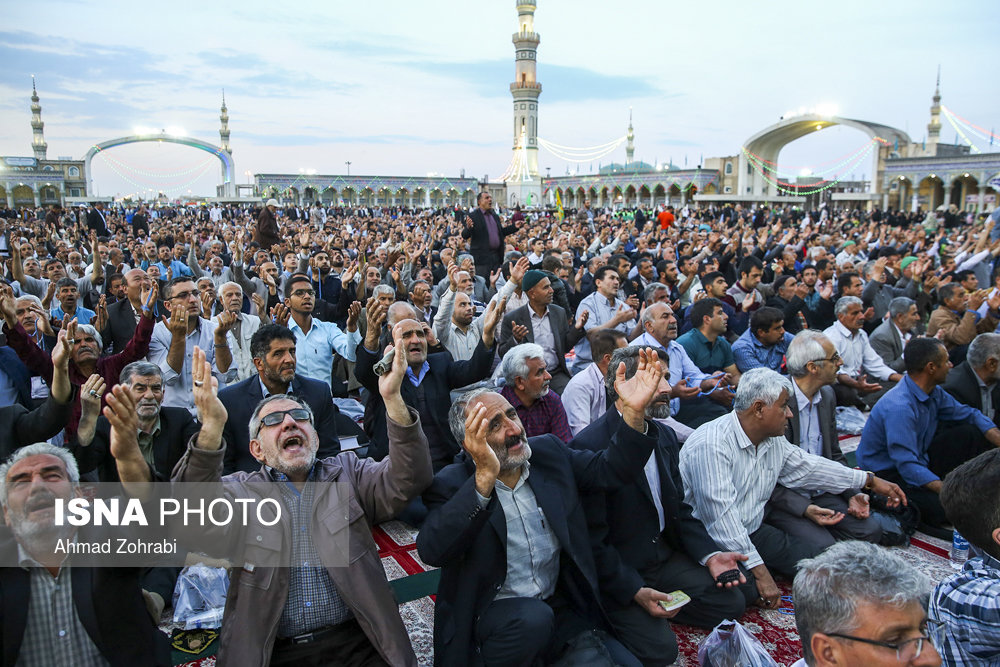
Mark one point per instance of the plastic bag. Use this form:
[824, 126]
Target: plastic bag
[732, 645]
[200, 596]
[850, 420]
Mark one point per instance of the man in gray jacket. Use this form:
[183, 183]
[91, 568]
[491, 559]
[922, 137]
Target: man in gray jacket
[333, 600]
[890, 337]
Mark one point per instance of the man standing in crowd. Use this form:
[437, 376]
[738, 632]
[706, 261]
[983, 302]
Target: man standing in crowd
[485, 231]
[318, 341]
[266, 232]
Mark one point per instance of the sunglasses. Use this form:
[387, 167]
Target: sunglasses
[275, 418]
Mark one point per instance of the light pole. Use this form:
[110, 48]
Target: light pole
[348, 163]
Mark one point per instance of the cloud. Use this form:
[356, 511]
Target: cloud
[271, 139]
[560, 83]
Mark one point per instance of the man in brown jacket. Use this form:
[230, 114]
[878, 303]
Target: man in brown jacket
[266, 233]
[340, 606]
[955, 318]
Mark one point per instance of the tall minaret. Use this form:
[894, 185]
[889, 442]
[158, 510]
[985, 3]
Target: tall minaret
[630, 146]
[38, 144]
[934, 127]
[224, 130]
[525, 91]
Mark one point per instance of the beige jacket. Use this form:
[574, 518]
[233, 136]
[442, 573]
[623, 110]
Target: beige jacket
[958, 330]
[368, 492]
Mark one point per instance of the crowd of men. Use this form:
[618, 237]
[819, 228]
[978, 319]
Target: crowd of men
[582, 415]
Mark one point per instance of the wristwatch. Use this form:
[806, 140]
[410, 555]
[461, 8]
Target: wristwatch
[868, 482]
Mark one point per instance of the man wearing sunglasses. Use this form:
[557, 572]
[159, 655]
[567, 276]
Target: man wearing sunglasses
[859, 604]
[333, 604]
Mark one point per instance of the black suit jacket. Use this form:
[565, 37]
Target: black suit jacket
[242, 398]
[97, 223]
[479, 237]
[121, 325]
[624, 527]
[962, 384]
[469, 542]
[176, 428]
[565, 336]
[108, 602]
[20, 427]
[444, 375]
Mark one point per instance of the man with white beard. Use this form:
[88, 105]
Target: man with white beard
[54, 613]
[647, 543]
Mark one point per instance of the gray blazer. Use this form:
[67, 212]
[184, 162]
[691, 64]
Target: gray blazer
[792, 501]
[886, 342]
[565, 335]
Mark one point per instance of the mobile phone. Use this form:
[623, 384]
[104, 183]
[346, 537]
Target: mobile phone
[680, 598]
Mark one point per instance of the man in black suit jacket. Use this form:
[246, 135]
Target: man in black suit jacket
[97, 220]
[123, 314]
[430, 380]
[645, 548]
[273, 350]
[501, 601]
[487, 249]
[974, 381]
[819, 518]
[106, 617]
[559, 338]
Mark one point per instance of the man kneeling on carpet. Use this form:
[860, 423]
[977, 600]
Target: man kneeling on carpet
[312, 612]
[518, 579]
[857, 604]
[969, 602]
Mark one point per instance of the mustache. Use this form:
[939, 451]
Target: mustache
[514, 441]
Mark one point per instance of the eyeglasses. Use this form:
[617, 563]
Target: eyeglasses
[185, 295]
[275, 418]
[304, 292]
[909, 649]
[833, 359]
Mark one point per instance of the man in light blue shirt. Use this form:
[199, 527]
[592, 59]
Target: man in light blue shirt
[316, 341]
[898, 442]
[764, 343]
[68, 296]
[705, 397]
[604, 311]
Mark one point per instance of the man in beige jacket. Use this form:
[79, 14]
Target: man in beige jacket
[956, 318]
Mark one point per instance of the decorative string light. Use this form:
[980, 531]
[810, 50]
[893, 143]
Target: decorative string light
[772, 167]
[159, 186]
[137, 170]
[582, 155]
[792, 188]
[986, 135]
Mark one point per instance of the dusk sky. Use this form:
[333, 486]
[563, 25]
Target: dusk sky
[411, 88]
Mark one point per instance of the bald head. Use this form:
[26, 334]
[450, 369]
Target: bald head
[399, 311]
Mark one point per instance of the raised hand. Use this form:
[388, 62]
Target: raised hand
[41, 320]
[494, 313]
[205, 389]
[582, 318]
[91, 393]
[280, 314]
[177, 323]
[63, 349]
[102, 313]
[494, 276]
[976, 299]
[225, 322]
[353, 312]
[389, 383]
[520, 267]
[150, 294]
[520, 331]
[121, 414]
[8, 305]
[636, 392]
[261, 305]
[452, 280]
[801, 290]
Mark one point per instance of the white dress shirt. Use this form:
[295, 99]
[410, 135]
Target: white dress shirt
[810, 438]
[728, 480]
[857, 353]
[585, 398]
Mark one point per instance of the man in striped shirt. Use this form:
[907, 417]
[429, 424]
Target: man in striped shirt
[731, 465]
[968, 603]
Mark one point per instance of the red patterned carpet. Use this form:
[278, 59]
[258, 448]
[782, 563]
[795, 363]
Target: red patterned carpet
[775, 629]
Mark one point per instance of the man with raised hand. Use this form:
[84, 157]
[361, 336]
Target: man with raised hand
[318, 607]
[506, 526]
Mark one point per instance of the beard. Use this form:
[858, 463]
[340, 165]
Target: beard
[508, 462]
[660, 408]
[37, 535]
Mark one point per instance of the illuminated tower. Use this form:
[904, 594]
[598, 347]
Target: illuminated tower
[934, 127]
[630, 146]
[525, 186]
[38, 144]
[227, 185]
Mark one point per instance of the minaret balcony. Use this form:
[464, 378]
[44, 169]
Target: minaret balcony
[525, 39]
[525, 85]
